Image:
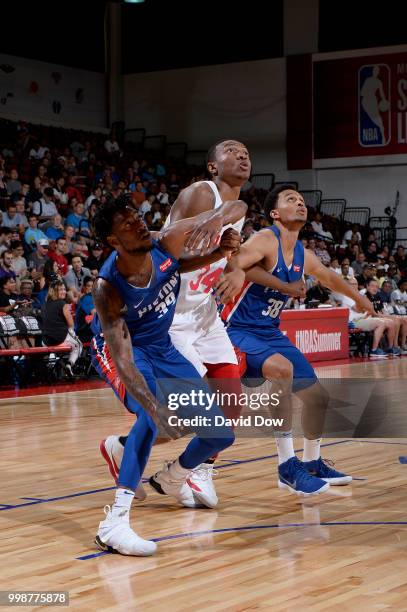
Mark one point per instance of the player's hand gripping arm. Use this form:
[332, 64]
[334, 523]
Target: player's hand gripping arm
[244, 266]
[229, 244]
[313, 266]
[109, 306]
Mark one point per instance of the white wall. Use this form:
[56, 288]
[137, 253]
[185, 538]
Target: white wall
[37, 106]
[247, 101]
[202, 105]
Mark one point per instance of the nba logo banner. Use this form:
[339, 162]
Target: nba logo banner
[374, 105]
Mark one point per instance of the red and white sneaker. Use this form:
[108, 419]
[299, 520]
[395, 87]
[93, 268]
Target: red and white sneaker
[112, 452]
[201, 484]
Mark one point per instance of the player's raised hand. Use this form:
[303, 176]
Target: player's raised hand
[229, 285]
[205, 237]
[230, 242]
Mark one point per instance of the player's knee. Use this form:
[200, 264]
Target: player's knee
[280, 369]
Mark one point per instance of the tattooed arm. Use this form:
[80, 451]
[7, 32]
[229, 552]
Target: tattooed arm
[109, 307]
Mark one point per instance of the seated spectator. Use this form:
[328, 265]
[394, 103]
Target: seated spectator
[322, 253]
[393, 276]
[367, 323]
[148, 220]
[146, 205]
[399, 297]
[55, 229]
[85, 308]
[5, 239]
[95, 195]
[357, 265]
[162, 196]
[32, 234]
[50, 274]
[400, 258]
[69, 235]
[3, 185]
[37, 259]
[335, 267]
[317, 292]
[352, 233]
[58, 324]
[26, 294]
[80, 246]
[317, 223]
[6, 265]
[385, 292]
[368, 272]
[76, 275]
[112, 146]
[19, 263]
[19, 201]
[45, 207]
[96, 259]
[156, 211]
[60, 193]
[371, 253]
[8, 297]
[77, 218]
[138, 195]
[57, 255]
[348, 268]
[13, 184]
[71, 189]
[398, 323]
[312, 244]
[13, 219]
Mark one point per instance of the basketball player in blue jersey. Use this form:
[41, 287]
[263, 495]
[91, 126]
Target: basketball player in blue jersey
[253, 320]
[135, 296]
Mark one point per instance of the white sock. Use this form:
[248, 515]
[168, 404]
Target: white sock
[285, 446]
[122, 503]
[312, 449]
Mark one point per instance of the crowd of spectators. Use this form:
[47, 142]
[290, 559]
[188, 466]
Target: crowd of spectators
[52, 182]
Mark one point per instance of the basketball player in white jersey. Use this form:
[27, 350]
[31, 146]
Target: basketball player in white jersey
[197, 331]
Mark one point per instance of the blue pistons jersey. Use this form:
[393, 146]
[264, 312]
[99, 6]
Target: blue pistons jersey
[148, 311]
[258, 308]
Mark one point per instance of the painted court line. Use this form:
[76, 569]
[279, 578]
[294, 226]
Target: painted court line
[196, 534]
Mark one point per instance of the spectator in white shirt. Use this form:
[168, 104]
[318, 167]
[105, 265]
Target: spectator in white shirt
[399, 296]
[146, 205]
[45, 207]
[317, 223]
[95, 195]
[19, 263]
[352, 233]
[162, 195]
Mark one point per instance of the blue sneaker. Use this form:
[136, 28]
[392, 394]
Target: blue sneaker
[323, 470]
[293, 475]
[395, 351]
[377, 354]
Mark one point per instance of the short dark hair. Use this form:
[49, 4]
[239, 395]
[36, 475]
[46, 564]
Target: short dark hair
[103, 220]
[4, 280]
[270, 203]
[15, 244]
[371, 280]
[211, 154]
[87, 279]
[32, 216]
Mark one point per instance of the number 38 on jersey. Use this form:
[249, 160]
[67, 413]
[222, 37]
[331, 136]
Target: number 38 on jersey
[273, 309]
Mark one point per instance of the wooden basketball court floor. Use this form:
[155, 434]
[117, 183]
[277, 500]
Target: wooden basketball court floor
[261, 549]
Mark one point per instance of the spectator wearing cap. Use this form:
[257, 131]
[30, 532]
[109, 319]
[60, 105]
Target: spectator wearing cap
[45, 207]
[19, 263]
[57, 255]
[32, 234]
[76, 275]
[13, 219]
[36, 261]
[368, 273]
[55, 228]
[95, 259]
[6, 265]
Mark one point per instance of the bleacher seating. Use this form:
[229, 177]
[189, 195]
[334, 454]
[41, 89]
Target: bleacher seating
[357, 214]
[334, 207]
[312, 197]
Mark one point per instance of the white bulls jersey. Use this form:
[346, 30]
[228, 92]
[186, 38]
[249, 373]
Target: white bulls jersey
[196, 286]
[197, 330]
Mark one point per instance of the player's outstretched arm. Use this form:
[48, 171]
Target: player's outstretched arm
[313, 266]
[247, 265]
[201, 232]
[109, 306]
[229, 244]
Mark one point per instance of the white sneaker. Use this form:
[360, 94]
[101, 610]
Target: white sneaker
[116, 536]
[112, 452]
[202, 485]
[166, 483]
